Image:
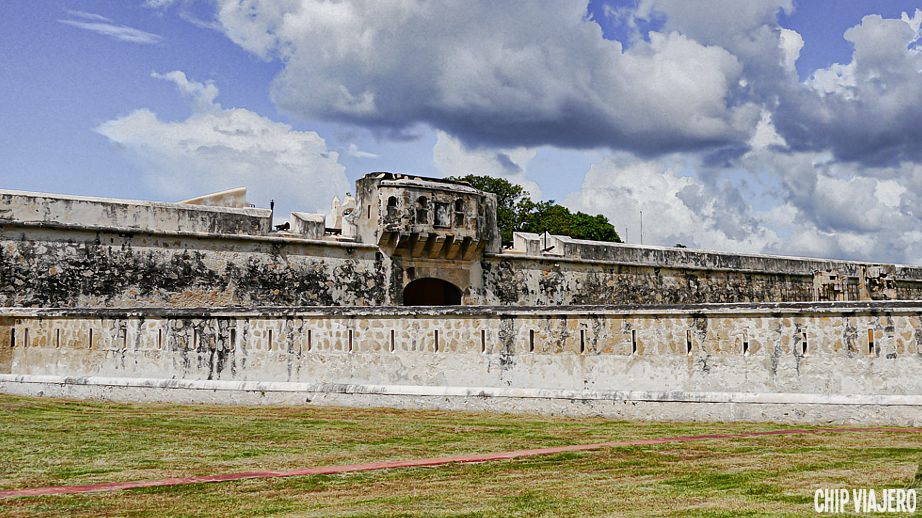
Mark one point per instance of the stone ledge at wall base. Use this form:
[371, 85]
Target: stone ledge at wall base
[865, 307]
[791, 408]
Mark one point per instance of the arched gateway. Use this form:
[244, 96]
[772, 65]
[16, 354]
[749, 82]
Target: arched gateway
[431, 292]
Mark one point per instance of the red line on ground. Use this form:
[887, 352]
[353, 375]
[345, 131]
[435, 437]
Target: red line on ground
[417, 463]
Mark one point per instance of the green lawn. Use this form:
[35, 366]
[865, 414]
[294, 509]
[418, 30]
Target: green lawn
[55, 442]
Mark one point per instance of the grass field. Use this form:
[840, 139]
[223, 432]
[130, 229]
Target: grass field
[55, 442]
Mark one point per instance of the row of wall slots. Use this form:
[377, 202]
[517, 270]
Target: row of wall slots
[123, 335]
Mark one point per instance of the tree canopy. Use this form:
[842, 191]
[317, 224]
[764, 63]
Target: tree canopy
[517, 212]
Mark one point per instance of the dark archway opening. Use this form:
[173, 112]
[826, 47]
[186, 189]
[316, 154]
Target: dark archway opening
[431, 292]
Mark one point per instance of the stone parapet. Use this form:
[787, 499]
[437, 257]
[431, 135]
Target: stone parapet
[89, 213]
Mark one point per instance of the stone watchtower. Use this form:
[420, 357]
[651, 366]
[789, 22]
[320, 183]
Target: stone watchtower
[435, 232]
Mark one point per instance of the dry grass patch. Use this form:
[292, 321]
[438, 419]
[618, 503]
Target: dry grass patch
[45, 442]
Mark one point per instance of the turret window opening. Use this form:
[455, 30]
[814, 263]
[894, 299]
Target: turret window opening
[459, 213]
[392, 207]
[422, 210]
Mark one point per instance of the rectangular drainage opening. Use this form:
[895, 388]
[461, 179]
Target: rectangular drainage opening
[688, 342]
[633, 341]
[871, 340]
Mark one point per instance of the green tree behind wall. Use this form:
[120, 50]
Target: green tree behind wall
[517, 212]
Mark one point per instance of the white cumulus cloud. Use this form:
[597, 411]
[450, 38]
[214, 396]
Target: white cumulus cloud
[217, 148]
[453, 158]
[677, 208]
[866, 110]
[355, 152]
[509, 74]
[769, 201]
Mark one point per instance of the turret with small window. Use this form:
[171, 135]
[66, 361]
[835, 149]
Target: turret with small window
[425, 217]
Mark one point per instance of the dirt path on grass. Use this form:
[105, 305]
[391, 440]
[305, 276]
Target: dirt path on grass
[417, 463]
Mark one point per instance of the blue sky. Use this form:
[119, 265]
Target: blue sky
[766, 126]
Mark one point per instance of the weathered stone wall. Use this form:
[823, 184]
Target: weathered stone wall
[42, 267]
[518, 281]
[701, 259]
[828, 348]
[6, 344]
[53, 267]
[572, 271]
[61, 251]
[60, 211]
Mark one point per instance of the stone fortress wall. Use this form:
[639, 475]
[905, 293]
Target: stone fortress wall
[65, 251]
[202, 300]
[59, 251]
[797, 362]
